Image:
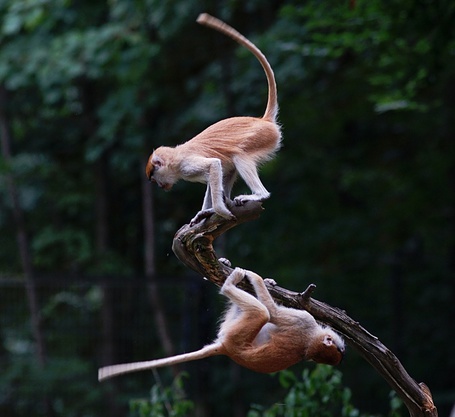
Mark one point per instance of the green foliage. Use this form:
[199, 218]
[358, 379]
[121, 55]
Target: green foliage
[164, 401]
[318, 393]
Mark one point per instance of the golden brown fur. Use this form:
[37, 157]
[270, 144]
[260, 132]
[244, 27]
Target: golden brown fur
[257, 334]
[235, 136]
[230, 147]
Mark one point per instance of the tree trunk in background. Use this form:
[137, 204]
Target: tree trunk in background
[100, 172]
[150, 269]
[396, 303]
[23, 245]
[107, 308]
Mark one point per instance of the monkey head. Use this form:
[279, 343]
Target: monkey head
[159, 168]
[326, 348]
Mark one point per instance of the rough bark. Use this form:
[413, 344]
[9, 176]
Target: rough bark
[194, 247]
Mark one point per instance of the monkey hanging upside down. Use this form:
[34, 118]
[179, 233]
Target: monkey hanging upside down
[256, 333]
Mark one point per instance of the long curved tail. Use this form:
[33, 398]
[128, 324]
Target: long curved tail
[114, 370]
[271, 110]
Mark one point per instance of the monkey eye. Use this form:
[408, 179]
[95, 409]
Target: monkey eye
[155, 166]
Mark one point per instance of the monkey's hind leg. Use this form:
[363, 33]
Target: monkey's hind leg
[262, 293]
[248, 171]
[247, 315]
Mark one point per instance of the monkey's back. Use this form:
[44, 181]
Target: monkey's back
[237, 136]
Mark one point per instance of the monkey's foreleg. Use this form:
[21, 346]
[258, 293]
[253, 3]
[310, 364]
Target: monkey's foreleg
[216, 186]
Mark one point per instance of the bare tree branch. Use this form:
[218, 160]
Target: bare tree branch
[194, 247]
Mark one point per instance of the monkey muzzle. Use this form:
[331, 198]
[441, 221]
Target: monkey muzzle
[164, 186]
[150, 171]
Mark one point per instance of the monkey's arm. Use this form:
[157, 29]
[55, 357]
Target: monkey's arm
[210, 171]
[207, 208]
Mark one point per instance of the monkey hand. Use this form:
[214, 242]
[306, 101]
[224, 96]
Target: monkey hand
[270, 281]
[203, 214]
[225, 261]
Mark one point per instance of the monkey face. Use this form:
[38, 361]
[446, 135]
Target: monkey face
[158, 169]
[329, 349]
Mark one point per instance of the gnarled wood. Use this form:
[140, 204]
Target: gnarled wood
[194, 247]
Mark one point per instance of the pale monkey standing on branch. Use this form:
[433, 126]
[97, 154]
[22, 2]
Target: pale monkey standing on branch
[231, 147]
[257, 334]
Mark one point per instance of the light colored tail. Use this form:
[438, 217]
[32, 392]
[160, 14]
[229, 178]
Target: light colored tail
[272, 104]
[114, 370]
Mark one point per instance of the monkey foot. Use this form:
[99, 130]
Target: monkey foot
[270, 281]
[240, 200]
[203, 214]
[225, 261]
[237, 275]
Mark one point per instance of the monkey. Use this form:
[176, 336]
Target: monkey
[257, 334]
[226, 149]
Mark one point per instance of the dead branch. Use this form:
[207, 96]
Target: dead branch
[194, 247]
